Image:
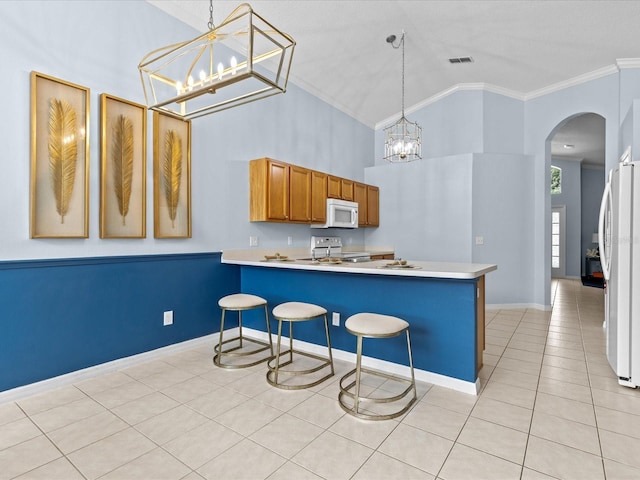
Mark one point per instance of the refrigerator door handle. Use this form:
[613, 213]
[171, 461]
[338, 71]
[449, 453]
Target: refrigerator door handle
[606, 201]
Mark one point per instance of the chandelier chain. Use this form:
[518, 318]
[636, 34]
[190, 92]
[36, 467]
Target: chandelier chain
[211, 25]
[402, 41]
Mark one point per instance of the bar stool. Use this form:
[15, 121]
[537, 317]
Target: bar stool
[240, 302]
[293, 312]
[374, 325]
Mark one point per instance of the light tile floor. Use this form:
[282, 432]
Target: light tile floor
[550, 407]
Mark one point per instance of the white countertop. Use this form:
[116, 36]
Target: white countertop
[377, 267]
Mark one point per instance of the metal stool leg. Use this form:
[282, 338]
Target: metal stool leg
[413, 377]
[216, 358]
[279, 345]
[266, 317]
[326, 327]
[358, 373]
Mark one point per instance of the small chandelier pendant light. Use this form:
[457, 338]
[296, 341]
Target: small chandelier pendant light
[242, 60]
[404, 138]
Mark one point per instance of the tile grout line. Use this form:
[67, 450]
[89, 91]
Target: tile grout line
[455, 442]
[593, 403]
[535, 398]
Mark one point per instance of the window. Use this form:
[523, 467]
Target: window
[555, 239]
[556, 180]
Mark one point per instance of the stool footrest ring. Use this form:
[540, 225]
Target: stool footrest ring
[325, 362]
[232, 352]
[356, 411]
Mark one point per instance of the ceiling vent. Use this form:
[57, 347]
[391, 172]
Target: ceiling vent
[461, 60]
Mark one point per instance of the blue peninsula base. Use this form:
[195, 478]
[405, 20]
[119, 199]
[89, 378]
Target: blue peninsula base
[444, 315]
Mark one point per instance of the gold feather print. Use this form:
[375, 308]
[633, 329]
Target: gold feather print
[172, 172]
[122, 158]
[63, 153]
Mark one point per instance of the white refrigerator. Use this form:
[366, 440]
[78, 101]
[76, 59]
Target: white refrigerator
[619, 242]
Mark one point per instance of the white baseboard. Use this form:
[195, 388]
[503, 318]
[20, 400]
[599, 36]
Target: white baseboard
[91, 372]
[517, 306]
[376, 364]
[122, 363]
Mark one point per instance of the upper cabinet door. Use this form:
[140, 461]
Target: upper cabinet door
[373, 206]
[334, 187]
[300, 194]
[360, 196]
[277, 191]
[319, 197]
[347, 189]
[268, 190]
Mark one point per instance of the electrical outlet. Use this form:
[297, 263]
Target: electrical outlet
[335, 319]
[253, 241]
[168, 318]
[289, 240]
[479, 240]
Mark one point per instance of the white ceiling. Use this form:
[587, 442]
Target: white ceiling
[519, 47]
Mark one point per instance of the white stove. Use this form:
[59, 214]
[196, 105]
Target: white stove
[331, 247]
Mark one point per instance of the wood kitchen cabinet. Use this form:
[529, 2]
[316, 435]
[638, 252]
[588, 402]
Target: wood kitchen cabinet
[360, 197]
[334, 187]
[373, 206]
[268, 190]
[282, 192]
[319, 186]
[299, 194]
[368, 198]
[347, 189]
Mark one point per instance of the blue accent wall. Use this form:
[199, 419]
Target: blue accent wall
[59, 316]
[441, 313]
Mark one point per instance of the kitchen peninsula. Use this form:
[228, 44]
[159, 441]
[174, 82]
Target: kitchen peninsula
[443, 303]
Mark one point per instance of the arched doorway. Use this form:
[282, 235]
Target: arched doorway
[575, 176]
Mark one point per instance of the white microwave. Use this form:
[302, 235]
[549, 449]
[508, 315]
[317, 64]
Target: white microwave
[340, 214]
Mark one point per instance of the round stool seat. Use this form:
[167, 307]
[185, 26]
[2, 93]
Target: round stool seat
[375, 325]
[298, 311]
[241, 301]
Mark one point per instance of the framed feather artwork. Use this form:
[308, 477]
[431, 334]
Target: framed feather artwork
[59, 190]
[171, 176]
[123, 154]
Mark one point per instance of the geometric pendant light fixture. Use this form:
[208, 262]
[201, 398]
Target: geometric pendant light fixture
[242, 60]
[404, 138]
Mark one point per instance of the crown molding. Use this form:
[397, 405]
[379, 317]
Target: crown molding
[628, 63]
[460, 87]
[621, 63]
[572, 82]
